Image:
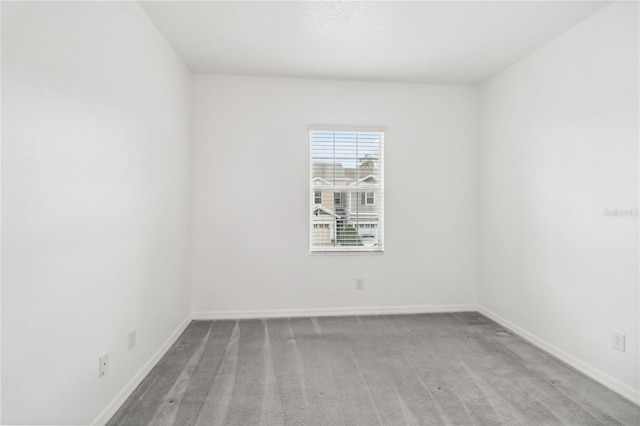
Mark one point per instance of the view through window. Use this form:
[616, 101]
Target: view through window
[346, 191]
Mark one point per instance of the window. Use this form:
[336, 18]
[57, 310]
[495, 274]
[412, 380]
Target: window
[368, 198]
[349, 164]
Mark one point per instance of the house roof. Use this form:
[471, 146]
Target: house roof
[318, 208]
[330, 174]
[366, 179]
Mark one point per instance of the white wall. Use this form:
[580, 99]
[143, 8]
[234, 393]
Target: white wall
[95, 203]
[251, 196]
[559, 146]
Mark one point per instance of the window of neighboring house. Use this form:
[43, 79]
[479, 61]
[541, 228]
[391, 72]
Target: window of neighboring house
[371, 198]
[368, 198]
[337, 198]
[350, 164]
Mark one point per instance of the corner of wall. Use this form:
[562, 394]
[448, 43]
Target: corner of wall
[112, 408]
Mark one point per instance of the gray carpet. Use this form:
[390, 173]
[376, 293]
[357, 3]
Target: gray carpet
[431, 369]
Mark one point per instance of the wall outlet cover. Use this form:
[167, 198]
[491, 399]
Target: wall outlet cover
[104, 364]
[618, 341]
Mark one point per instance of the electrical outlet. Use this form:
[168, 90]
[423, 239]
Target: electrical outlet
[359, 284]
[132, 339]
[104, 364]
[617, 341]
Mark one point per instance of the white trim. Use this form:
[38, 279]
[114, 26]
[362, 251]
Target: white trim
[324, 209]
[329, 312]
[348, 250]
[346, 128]
[341, 203]
[347, 253]
[366, 198]
[126, 392]
[601, 377]
[361, 180]
[347, 188]
[318, 178]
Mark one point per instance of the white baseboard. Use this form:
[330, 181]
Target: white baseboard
[326, 312]
[614, 384]
[122, 396]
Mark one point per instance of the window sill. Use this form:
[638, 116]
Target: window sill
[346, 253]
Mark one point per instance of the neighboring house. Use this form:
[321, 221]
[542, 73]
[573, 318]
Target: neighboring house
[322, 197]
[324, 226]
[363, 209]
[333, 210]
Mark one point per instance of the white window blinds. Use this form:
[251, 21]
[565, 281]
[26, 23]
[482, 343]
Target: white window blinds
[347, 178]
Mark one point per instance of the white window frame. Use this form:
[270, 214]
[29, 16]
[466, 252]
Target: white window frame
[366, 197]
[316, 196]
[347, 195]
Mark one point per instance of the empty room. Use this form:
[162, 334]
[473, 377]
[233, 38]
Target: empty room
[320, 213]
